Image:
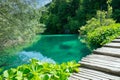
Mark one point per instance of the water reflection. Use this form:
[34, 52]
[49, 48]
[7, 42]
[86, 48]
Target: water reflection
[25, 56]
[10, 61]
[50, 48]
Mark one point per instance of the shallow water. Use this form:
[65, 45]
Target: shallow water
[60, 48]
[50, 48]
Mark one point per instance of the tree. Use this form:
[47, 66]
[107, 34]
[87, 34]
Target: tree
[66, 16]
[60, 13]
[18, 22]
[116, 10]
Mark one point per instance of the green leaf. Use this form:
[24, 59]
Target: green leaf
[6, 74]
[37, 70]
[46, 77]
[19, 75]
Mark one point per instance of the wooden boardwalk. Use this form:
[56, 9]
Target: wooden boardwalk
[102, 64]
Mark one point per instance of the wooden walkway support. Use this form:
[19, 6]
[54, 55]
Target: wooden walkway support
[102, 64]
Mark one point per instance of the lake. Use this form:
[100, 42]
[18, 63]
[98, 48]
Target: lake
[50, 48]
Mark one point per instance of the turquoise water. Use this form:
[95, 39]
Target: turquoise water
[60, 48]
[50, 48]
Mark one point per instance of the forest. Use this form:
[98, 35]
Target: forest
[66, 16]
[21, 21]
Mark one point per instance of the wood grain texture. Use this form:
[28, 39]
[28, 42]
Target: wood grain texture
[102, 64]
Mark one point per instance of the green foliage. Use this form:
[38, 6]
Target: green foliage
[103, 35]
[116, 10]
[18, 23]
[101, 29]
[37, 70]
[66, 16]
[60, 16]
[71, 26]
[94, 23]
[109, 7]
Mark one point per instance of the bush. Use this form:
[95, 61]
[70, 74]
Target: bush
[37, 70]
[100, 29]
[94, 23]
[103, 35]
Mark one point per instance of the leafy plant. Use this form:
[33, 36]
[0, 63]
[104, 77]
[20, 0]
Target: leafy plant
[37, 70]
[100, 29]
[94, 23]
[94, 30]
[103, 35]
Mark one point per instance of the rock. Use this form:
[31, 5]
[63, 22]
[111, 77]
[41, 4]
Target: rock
[65, 46]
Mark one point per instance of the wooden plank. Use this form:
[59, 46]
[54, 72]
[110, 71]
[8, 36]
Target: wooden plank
[103, 64]
[73, 78]
[90, 74]
[99, 74]
[116, 40]
[113, 69]
[80, 77]
[114, 65]
[94, 77]
[112, 45]
[115, 52]
[104, 57]
[84, 75]
[98, 66]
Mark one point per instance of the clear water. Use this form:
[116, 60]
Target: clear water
[60, 48]
[50, 48]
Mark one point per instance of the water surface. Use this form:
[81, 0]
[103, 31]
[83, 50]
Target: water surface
[60, 48]
[50, 48]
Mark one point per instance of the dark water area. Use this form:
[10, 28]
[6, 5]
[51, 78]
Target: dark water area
[49, 48]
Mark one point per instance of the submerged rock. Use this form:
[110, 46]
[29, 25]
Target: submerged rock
[65, 46]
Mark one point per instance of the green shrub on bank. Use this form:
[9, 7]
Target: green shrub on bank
[37, 70]
[100, 29]
[98, 21]
[103, 35]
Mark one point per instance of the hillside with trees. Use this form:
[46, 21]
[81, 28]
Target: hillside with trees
[66, 16]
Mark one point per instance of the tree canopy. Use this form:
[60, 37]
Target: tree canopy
[66, 16]
[18, 22]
